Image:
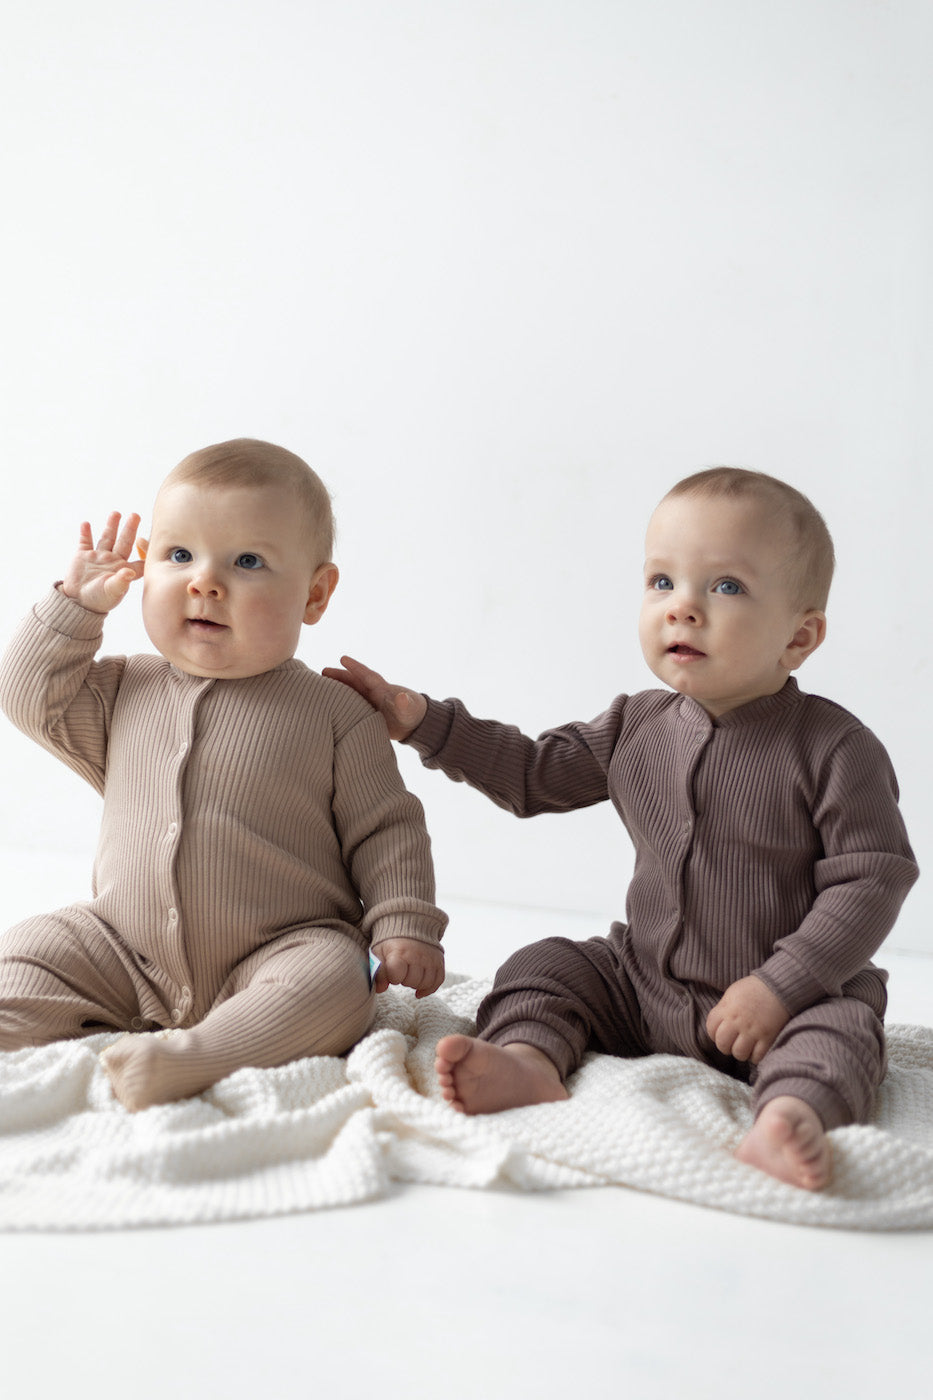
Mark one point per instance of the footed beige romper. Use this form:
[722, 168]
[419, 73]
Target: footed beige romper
[256, 840]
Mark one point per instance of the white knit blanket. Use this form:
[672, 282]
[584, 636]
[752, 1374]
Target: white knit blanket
[329, 1132]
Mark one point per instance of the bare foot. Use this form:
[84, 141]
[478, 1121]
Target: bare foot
[477, 1077]
[788, 1141]
[146, 1069]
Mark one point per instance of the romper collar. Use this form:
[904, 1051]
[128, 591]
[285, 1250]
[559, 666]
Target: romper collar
[766, 707]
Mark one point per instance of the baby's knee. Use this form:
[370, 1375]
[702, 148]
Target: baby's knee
[558, 957]
[869, 987]
[328, 976]
[833, 1056]
[33, 938]
[64, 936]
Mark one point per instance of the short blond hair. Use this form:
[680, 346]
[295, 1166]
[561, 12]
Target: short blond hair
[252, 463]
[811, 560]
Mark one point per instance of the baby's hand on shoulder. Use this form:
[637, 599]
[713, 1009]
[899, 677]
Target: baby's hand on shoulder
[407, 963]
[747, 1020]
[402, 709]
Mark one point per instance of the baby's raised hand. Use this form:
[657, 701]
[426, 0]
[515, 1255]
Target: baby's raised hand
[403, 710]
[100, 578]
[747, 1020]
[406, 962]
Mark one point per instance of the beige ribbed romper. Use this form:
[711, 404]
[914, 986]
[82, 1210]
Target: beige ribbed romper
[256, 840]
[767, 842]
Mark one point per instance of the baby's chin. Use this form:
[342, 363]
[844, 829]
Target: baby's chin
[234, 672]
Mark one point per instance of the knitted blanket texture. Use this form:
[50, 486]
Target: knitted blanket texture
[325, 1132]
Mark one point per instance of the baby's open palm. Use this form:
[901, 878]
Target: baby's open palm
[99, 577]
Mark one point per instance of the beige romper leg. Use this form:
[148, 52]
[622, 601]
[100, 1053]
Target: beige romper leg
[65, 975]
[305, 994]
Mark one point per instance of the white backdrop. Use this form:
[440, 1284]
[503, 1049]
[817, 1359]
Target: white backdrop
[502, 270]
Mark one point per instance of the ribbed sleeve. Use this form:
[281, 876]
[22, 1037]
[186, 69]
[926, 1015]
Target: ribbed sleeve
[558, 772]
[48, 690]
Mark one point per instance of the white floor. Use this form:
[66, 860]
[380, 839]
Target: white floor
[448, 1294]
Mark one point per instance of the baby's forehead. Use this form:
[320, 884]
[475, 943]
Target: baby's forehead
[194, 498]
[692, 521]
[741, 535]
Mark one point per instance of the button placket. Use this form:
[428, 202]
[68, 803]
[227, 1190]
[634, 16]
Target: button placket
[179, 998]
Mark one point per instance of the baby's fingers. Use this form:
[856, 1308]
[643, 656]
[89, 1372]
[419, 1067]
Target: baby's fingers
[127, 535]
[112, 539]
[431, 978]
[409, 967]
[364, 675]
[761, 1047]
[723, 1032]
[725, 1040]
[381, 979]
[107, 536]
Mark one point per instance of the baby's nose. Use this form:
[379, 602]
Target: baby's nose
[205, 583]
[683, 608]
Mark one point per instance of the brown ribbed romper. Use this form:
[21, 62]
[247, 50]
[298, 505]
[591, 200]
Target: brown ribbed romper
[256, 839]
[767, 842]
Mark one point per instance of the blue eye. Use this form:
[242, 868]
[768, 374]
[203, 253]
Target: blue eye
[249, 561]
[729, 588]
[180, 556]
[662, 584]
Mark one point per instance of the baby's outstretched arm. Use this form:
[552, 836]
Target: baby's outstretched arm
[100, 578]
[408, 963]
[747, 1020]
[402, 709]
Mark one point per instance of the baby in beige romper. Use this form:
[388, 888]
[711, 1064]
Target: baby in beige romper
[257, 840]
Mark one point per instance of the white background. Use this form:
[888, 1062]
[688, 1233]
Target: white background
[502, 270]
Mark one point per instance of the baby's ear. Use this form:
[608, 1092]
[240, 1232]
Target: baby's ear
[810, 634]
[322, 586]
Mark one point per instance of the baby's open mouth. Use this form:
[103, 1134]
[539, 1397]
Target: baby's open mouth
[681, 649]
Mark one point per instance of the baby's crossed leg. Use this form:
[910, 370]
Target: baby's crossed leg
[303, 995]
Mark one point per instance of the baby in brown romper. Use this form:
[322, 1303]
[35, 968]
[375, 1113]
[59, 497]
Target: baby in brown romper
[771, 858]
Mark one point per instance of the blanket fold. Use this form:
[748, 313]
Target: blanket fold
[325, 1132]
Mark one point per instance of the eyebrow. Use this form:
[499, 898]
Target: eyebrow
[733, 566]
[178, 538]
[742, 569]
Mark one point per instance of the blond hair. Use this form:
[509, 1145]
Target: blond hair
[811, 560]
[250, 462]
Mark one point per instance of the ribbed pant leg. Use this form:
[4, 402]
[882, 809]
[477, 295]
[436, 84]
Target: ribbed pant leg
[832, 1056]
[62, 976]
[305, 994]
[564, 998]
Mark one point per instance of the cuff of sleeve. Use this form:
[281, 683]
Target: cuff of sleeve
[404, 930]
[422, 925]
[430, 736]
[62, 614]
[795, 987]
